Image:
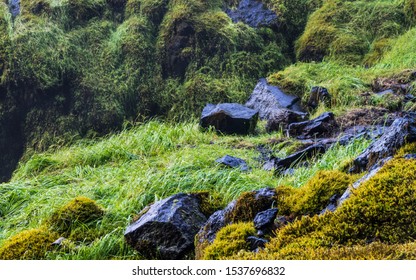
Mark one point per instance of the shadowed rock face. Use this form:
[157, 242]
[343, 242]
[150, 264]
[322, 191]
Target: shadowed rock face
[229, 118]
[254, 14]
[401, 131]
[269, 100]
[322, 126]
[168, 228]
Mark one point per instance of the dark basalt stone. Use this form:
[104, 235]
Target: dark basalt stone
[269, 100]
[264, 221]
[229, 118]
[319, 95]
[322, 126]
[233, 162]
[254, 14]
[255, 242]
[281, 165]
[168, 228]
[402, 130]
[282, 118]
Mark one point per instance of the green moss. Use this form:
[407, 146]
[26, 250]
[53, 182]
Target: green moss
[75, 217]
[229, 240]
[208, 203]
[315, 195]
[344, 30]
[380, 210]
[28, 245]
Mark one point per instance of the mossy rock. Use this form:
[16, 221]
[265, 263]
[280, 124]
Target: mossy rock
[79, 212]
[380, 210]
[229, 240]
[249, 204]
[28, 245]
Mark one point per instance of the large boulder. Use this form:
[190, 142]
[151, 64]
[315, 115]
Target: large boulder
[254, 14]
[322, 126]
[402, 130]
[168, 228]
[229, 118]
[269, 100]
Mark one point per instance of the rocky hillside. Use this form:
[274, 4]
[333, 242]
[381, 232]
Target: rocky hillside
[303, 148]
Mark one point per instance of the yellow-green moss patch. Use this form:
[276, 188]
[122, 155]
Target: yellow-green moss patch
[229, 240]
[28, 245]
[77, 213]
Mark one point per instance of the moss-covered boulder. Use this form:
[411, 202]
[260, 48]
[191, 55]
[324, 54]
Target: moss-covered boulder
[81, 212]
[28, 245]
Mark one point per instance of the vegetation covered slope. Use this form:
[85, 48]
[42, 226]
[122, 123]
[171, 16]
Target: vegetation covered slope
[72, 69]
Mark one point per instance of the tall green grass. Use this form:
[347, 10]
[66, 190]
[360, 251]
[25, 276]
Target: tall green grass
[125, 172]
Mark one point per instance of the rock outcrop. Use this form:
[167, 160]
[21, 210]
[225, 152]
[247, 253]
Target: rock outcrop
[401, 131]
[229, 118]
[167, 229]
[269, 100]
[254, 14]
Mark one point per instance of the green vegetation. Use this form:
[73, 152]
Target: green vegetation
[98, 100]
[229, 240]
[379, 211]
[28, 245]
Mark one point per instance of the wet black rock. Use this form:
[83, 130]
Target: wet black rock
[229, 118]
[281, 165]
[264, 221]
[233, 162]
[254, 14]
[168, 228]
[268, 100]
[255, 243]
[410, 156]
[280, 119]
[403, 130]
[319, 95]
[322, 126]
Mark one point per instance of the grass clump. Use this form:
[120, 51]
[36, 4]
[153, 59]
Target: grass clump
[81, 211]
[31, 244]
[228, 241]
